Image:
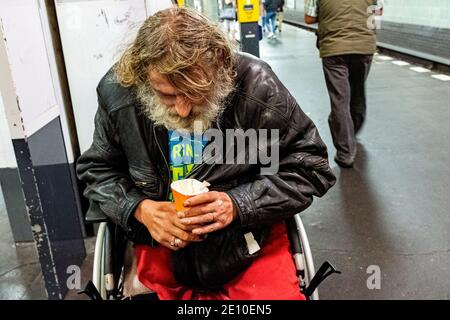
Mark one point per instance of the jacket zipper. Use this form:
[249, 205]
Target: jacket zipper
[143, 184]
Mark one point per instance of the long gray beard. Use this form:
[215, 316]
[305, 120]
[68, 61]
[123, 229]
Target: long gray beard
[201, 118]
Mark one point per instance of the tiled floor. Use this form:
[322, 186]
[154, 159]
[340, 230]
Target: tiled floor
[392, 209]
[20, 276]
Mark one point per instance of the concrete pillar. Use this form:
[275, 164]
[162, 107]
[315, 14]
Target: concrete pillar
[33, 99]
[11, 185]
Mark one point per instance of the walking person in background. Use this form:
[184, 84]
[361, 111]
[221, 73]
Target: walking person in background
[263, 15]
[270, 6]
[346, 50]
[228, 15]
[280, 14]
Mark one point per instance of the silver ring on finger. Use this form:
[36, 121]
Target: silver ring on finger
[177, 242]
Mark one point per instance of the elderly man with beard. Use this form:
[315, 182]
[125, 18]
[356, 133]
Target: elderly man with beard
[182, 71]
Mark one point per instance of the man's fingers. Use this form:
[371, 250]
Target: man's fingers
[185, 236]
[168, 241]
[199, 238]
[174, 246]
[208, 229]
[187, 227]
[182, 235]
[199, 220]
[201, 198]
[198, 210]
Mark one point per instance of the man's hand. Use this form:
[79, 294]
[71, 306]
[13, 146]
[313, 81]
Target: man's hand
[311, 20]
[165, 227]
[214, 210]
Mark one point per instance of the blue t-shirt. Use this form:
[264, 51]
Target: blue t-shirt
[184, 151]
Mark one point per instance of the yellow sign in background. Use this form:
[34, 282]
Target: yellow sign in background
[248, 10]
[181, 3]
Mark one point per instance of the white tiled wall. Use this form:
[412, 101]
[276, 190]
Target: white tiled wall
[7, 157]
[432, 13]
[29, 62]
[93, 33]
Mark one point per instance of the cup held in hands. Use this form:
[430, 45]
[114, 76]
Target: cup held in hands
[185, 189]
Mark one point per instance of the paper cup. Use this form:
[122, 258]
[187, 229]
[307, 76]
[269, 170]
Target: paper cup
[185, 189]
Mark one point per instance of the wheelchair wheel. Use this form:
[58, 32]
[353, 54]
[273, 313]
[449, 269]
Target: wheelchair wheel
[107, 273]
[302, 255]
[307, 256]
[104, 280]
[98, 277]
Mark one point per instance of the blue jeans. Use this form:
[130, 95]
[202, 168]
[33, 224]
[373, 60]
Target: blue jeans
[271, 17]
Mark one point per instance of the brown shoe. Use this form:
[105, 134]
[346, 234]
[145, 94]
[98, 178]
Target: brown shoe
[343, 163]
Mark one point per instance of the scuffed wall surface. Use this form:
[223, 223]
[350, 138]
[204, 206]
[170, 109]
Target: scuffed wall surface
[7, 157]
[431, 13]
[419, 28]
[93, 34]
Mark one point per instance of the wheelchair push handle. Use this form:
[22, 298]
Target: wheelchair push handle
[325, 270]
[91, 291]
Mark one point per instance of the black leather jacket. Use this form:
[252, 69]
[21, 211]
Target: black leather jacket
[127, 161]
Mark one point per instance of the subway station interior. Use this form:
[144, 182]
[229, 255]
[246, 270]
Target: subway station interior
[384, 224]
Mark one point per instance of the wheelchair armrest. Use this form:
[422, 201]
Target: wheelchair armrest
[293, 235]
[95, 216]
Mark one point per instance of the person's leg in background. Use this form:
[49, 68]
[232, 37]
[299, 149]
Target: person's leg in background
[336, 71]
[267, 25]
[275, 29]
[359, 71]
[264, 22]
[271, 22]
[280, 17]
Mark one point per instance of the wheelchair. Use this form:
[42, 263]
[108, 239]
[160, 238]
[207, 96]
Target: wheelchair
[111, 268]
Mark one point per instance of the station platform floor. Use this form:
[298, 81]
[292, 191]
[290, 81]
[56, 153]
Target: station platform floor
[391, 211]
